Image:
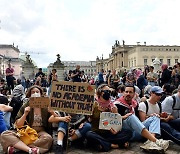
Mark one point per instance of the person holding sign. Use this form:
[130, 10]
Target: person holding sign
[104, 140]
[36, 118]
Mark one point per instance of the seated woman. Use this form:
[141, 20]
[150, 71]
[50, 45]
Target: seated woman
[77, 128]
[37, 118]
[104, 140]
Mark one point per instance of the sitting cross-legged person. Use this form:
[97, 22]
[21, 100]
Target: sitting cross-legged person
[127, 107]
[78, 126]
[37, 118]
[104, 140]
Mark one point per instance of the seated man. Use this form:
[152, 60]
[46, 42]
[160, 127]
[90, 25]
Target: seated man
[126, 107]
[170, 125]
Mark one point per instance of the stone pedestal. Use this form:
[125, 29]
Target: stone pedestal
[28, 68]
[156, 64]
[59, 66]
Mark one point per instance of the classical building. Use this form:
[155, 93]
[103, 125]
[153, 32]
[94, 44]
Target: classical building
[138, 56]
[89, 67]
[9, 54]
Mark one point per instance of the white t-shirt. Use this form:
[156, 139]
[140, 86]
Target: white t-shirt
[168, 103]
[152, 108]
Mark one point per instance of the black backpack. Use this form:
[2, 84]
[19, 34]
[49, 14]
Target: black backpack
[174, 103]
[147, 107]
[16, 103]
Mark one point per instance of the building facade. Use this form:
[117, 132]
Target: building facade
[9, 54]
[89, 67]
[138, 56]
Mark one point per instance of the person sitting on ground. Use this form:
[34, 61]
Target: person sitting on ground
[36, 118]
[127, 107]
[104, 140]
[170, 125]
[77, 128]
[18, 95]
[149, 112]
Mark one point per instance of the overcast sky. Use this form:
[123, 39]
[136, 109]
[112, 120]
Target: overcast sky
[85, 29]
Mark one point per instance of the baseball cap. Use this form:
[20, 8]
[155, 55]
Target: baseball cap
[157, 90]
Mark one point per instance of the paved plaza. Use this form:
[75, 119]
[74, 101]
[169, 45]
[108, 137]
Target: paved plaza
[133, 149]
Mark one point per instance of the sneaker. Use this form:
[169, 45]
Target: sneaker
[11, 150]
[59, 149]
[34, 151]
[163, 143]
[152, 147]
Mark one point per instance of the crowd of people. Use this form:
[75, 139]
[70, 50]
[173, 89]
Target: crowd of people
[148, 101]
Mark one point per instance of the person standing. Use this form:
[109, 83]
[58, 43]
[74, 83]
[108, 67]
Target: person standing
[76, 74]
[152, 76]
[10, 78]
[52, 77]
[40, 76]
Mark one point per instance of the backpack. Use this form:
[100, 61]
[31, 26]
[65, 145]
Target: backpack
[16, 103]
[174, 103]
[147, 107]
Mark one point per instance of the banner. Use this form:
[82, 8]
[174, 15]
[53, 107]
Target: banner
[110, 120]
[39, 102]
[72, 97]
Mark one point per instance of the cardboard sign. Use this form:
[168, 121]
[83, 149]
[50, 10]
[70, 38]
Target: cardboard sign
[110, 120]
[39, 102]
[72, 97]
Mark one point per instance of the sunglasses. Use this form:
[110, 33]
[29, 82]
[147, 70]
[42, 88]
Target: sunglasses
[158, 94]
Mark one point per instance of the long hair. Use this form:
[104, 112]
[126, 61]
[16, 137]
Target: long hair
[28, 94]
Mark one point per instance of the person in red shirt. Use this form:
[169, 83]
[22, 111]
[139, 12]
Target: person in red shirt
[10, 78]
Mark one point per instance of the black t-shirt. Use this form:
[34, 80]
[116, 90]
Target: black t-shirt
[76, 78]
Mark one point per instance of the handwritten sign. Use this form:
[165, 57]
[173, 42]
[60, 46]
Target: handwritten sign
[110, 120]
[39, 102]
[72, 97]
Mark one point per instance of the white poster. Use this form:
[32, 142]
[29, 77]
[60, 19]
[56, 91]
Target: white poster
[110, 120]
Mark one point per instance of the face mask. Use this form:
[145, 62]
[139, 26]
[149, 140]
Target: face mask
[106, 95]
[36, 95]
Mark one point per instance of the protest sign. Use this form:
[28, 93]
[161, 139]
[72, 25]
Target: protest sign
[110, 120]
[39, 102]
[72, 97]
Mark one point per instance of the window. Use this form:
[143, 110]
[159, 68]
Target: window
[166, 49]
[134, 62]
[122, 64]
[161, 60]
[169, 62]
[122, 55]
[145, 61]
[176, 61]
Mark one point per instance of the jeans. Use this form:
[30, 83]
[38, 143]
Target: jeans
[175, 124]
[108, 138]
[81, 132]
[134, 124]
[169, 133]
[7, 116]
[152, 83]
